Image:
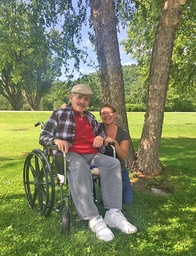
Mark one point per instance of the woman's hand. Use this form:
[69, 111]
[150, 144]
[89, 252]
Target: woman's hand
[108, 140]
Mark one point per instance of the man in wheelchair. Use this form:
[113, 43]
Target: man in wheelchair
[77, 133]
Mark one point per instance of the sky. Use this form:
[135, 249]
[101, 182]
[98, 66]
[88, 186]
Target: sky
[84, 69]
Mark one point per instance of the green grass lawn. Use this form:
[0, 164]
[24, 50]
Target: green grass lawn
[166, 223]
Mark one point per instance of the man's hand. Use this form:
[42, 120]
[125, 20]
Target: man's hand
[98, 142]
[62, 145]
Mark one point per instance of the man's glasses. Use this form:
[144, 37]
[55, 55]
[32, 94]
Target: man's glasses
[107, 113]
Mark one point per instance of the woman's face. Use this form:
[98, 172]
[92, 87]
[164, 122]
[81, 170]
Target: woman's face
[107, 115]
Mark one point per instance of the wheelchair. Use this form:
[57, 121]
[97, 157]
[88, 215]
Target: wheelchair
[45, 189]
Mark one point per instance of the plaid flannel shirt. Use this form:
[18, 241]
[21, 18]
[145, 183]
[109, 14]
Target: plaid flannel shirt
[62, 125]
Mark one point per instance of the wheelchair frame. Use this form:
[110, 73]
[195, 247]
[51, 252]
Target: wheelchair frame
[43, 189]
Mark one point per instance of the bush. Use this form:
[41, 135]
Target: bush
[135, 107]
[183, 105]
[4, 104]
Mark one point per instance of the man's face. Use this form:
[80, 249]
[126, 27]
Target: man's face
[79, 102]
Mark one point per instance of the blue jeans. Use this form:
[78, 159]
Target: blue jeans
[127, 192]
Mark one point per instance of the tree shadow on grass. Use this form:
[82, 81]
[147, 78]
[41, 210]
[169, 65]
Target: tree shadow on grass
[10, 162]
[12, 196]
[165, 223]
[179, 153]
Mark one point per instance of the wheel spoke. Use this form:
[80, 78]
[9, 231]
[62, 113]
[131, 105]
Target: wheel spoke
[37, 167]
[31, 167]
[40, 198]
[34, 198]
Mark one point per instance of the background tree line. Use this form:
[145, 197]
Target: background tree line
[135, 94]
[33, 49]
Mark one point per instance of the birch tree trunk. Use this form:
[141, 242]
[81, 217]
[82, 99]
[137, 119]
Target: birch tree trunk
[107, 47]
[149, 150]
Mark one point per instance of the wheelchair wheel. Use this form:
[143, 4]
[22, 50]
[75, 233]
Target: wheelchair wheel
[66, 219]
[39, 182]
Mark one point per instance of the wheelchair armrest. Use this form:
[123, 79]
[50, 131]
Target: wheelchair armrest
[112, 149]
[51, 146]
[39, 123]
[111, 143]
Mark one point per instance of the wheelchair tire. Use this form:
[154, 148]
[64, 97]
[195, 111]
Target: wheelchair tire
[66, 219]
[39, 182]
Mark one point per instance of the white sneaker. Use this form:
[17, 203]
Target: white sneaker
[95, 171]
[102, 232]
[60, 179]
[118, 220]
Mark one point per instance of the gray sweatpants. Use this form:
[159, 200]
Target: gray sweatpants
[81, 183]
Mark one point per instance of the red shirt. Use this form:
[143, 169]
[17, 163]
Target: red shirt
[84, 136]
